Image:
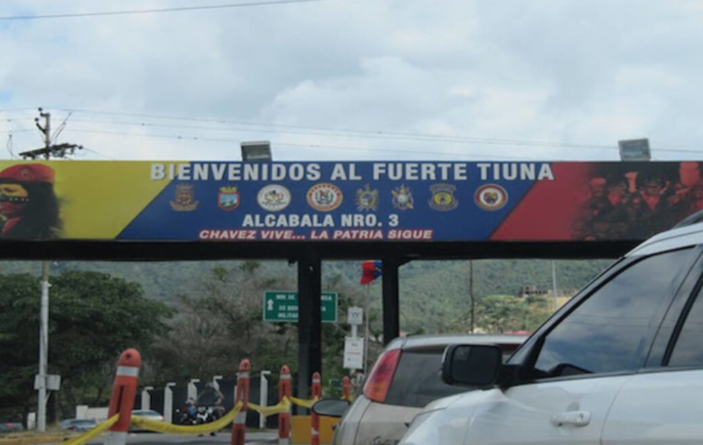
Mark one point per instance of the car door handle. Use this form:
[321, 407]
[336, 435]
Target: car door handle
[571, 418]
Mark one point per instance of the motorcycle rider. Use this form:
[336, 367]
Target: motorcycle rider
[212, 396]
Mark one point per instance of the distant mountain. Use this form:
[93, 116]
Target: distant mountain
[433, 293]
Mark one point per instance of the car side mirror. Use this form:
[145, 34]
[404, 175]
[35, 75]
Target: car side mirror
[471, 365]
[330, 407]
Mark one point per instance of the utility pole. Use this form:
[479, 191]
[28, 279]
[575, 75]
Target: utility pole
[471, 295]
[554, 285]
[58, 151]
[44, 311]
[49, 150]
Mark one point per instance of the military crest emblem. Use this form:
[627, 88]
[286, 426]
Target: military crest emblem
[184, 200]
[443, 198]
[274, 198]
[403, 198]
[491, 197]
[367, 199]
[324, 197]
[228, 198]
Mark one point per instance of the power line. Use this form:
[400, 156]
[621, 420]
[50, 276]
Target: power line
[291, 144]
[99, 154]
[318, 133]
[5, 110]
[9, 146]
[346, 132]
[20, 130]
[370, 133]
[58, 131]
[156, 10]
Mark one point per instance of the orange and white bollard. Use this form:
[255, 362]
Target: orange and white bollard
[284, 390]
[240, 422]
[346, 389]
[314, 418]
[122, 398]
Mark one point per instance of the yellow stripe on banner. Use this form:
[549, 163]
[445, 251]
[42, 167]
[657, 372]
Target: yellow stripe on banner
[266, 411]
[99, 199]
[304, 403]
[85, 437]
[163, 427]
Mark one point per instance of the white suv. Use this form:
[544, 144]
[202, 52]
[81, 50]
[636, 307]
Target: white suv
[621, 363]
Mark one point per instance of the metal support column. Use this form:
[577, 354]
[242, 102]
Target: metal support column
[391, 301]
[309, 323]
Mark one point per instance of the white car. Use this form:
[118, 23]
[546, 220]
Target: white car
[405, 378]
[620, 364]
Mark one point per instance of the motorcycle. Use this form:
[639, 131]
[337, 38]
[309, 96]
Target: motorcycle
[186, 416]
[205, 414]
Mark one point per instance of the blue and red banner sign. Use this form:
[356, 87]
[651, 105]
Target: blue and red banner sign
[346, 201]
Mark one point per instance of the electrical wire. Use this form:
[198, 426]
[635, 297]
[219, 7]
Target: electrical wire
[343, 131]
[155, 10]
[346, 132]
[333, 133]
[20, 130]
[9, 146]
[99, 154]
[61, 127]
[291, 144]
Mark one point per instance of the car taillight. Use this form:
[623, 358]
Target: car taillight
[379, 381]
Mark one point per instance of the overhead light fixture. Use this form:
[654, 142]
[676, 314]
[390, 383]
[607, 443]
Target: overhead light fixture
[256, 151]
[635, 150]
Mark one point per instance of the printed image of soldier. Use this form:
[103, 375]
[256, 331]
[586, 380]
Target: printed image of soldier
[686, 198]
[654, 212]
[622, 212]
[596, 207]
[28, 205]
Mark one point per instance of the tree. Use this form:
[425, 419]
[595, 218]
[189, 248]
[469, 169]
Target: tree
[92, 318]
[219, 323]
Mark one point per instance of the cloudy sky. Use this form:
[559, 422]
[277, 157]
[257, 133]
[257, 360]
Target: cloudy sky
[357, 79]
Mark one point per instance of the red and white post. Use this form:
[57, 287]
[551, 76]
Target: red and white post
[314, 418]
[284, 390]
[240, 422]
[122, 398]
[346, 388]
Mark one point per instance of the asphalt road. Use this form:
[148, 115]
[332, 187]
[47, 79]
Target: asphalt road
[221, 438]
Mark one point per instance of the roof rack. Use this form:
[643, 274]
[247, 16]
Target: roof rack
[691, 220]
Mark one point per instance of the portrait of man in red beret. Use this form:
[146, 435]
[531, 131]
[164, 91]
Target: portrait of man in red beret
[28, 203]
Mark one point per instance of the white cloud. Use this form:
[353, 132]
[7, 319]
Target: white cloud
[546, 70]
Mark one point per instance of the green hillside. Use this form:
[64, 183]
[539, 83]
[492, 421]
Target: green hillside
[434, 294]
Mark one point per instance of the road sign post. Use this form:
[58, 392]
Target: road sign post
[353, 346]
[282, 306]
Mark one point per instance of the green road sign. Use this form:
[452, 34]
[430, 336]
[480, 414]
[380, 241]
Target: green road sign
[281, 306]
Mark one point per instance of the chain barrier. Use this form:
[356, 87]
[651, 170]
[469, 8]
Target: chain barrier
[163, 427]
[282, 406]
[99, 429]
[267, 411]
[303, 403]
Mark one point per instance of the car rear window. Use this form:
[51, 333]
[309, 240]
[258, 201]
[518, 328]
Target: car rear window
[418, 380]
